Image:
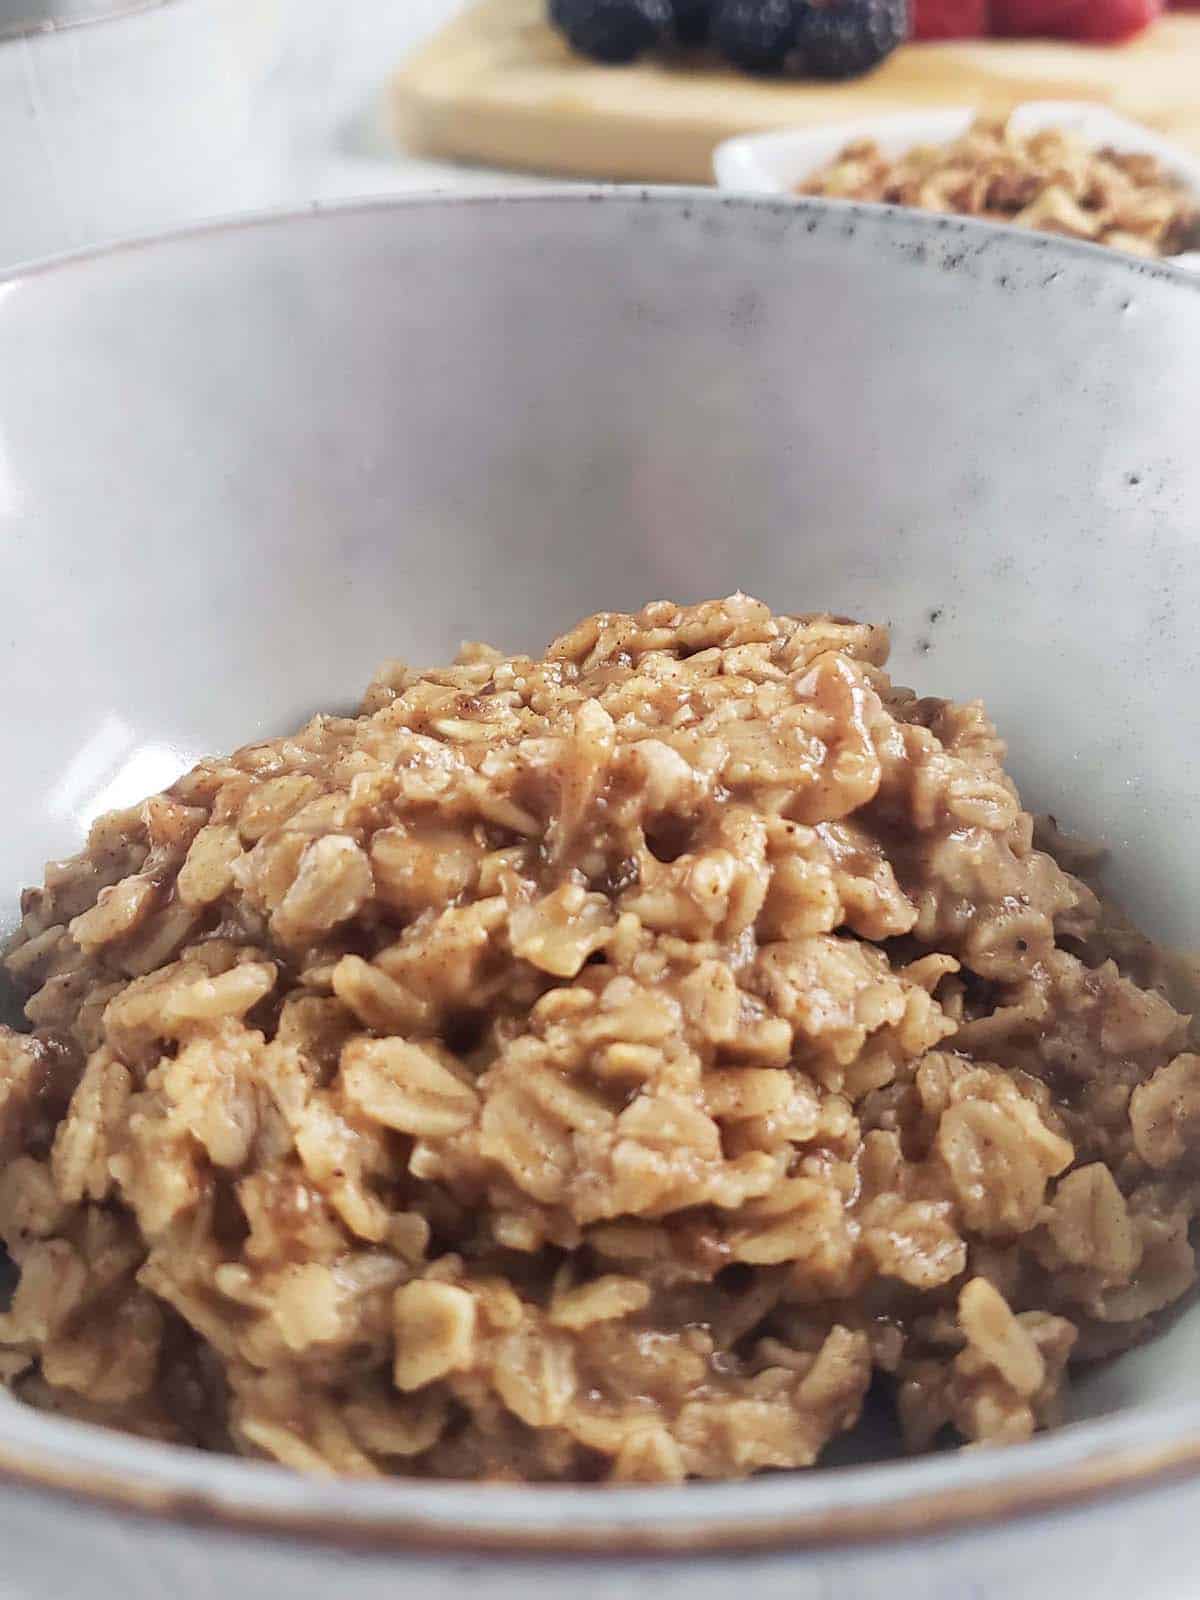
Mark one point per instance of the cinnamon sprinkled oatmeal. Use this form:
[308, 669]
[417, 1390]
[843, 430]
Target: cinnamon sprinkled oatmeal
[1050, 180]
[589, 1068]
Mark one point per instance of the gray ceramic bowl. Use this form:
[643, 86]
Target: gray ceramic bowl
[238, 467]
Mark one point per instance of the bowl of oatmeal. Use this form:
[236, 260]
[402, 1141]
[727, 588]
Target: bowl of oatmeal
[662, 1079]
[1068, 168]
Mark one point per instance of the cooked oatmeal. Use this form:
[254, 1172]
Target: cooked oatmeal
[591, 1068]
[1050, 180]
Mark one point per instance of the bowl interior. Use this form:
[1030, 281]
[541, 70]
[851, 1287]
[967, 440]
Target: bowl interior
[239, 468]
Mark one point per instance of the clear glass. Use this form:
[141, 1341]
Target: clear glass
[21, 16]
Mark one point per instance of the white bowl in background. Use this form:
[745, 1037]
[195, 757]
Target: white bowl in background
[121, 116]
[775, 163]
[241, 466]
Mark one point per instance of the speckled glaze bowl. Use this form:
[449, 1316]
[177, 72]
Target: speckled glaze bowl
[239, 467]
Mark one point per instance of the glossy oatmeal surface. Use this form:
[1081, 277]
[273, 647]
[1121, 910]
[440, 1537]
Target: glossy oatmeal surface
[596, 1067]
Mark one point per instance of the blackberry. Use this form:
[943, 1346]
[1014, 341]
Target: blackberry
[692, 18]
[848, 37]
[613, 30]
[757, 35]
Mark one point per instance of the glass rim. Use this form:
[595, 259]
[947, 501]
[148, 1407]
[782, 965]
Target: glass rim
[61, 15]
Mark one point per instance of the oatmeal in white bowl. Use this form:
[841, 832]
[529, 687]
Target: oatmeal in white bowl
[376, 433]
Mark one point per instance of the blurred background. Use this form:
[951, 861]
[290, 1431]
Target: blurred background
[119, 117]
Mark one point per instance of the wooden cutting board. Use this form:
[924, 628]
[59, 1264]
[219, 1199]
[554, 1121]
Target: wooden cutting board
[498, 86]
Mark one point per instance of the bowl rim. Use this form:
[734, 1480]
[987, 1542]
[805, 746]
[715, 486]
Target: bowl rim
[843, 1508]
[1131, 1451]
[893, 220]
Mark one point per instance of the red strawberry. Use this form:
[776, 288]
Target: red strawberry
[1095, 21]
[951, 19]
